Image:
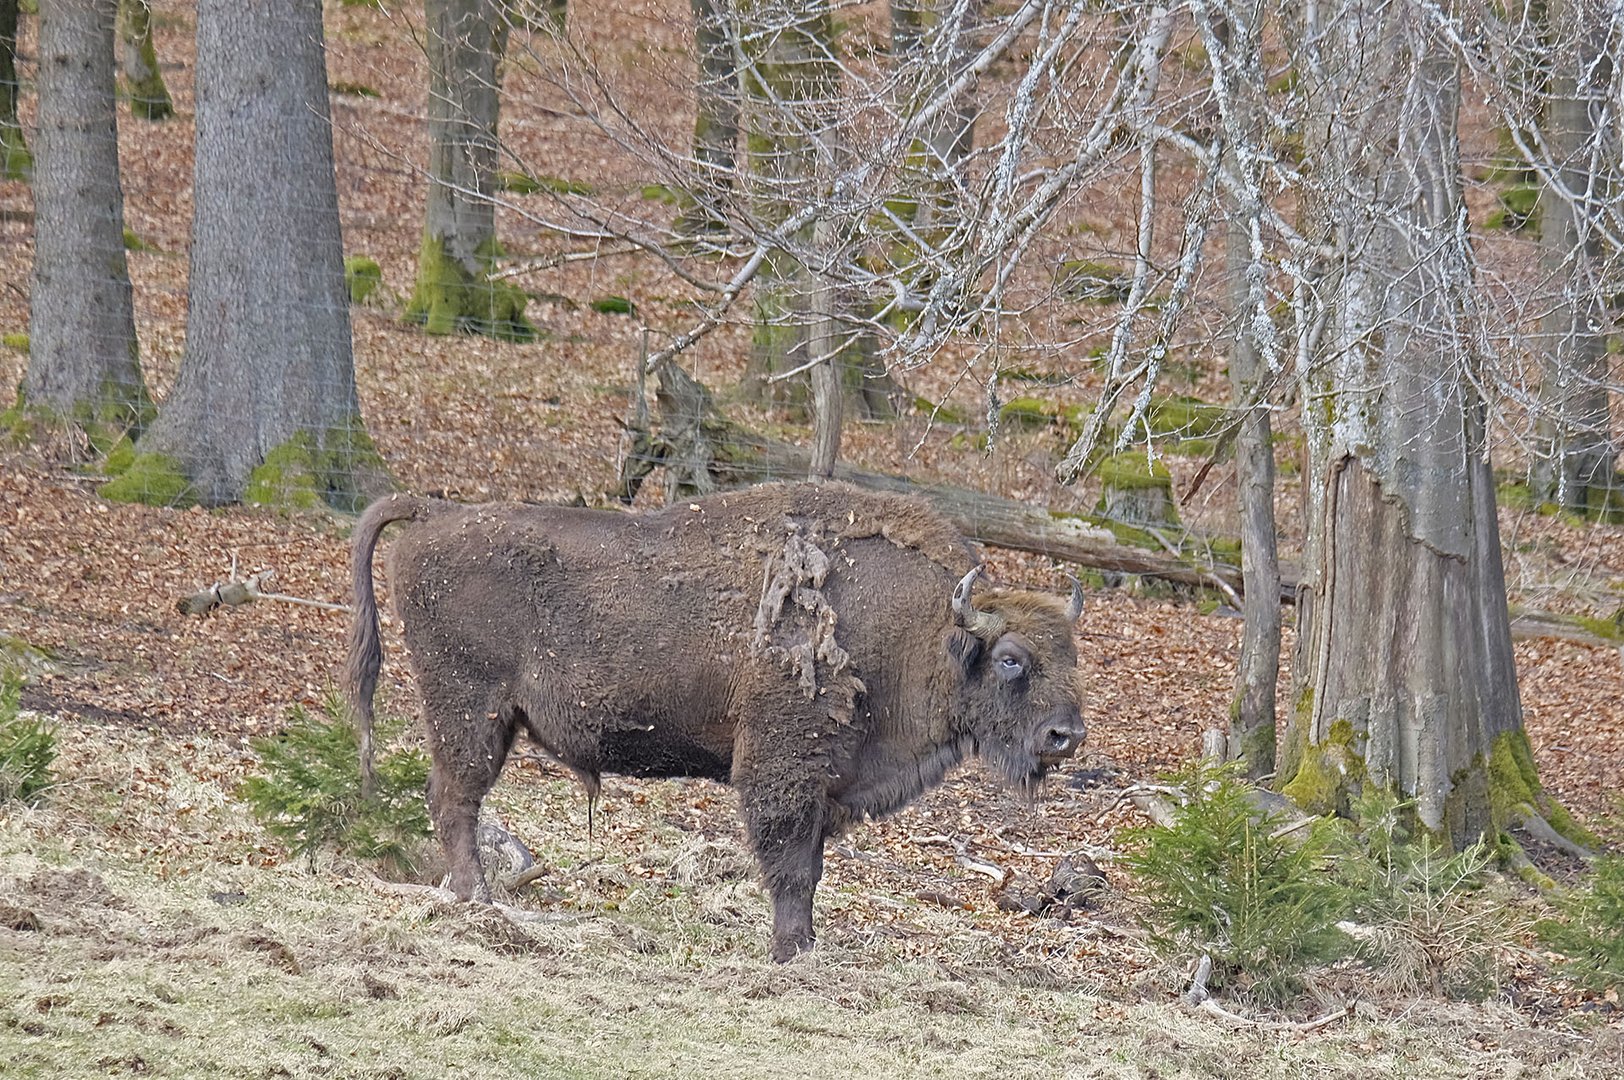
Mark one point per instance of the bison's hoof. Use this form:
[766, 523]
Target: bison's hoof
[786, 949]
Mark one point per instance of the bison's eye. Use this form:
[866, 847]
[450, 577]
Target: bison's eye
[1009, 668]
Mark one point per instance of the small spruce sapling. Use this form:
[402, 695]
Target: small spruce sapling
[1224, 881]
[309, 794]
[1589, 928]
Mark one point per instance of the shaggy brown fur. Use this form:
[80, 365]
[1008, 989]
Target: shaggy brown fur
[794, 640]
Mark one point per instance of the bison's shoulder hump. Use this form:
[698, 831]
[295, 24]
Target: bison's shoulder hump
[852, 513]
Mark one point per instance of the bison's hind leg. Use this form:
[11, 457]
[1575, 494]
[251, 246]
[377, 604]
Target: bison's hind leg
[469, 742]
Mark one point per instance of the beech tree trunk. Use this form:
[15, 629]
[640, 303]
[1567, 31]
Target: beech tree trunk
[790, 87]
[716, 118]
[454, 291]
[83, 364]
[929, 48]
[1405, 673]
[143, 82]
[15, 161]
[1574, 450]
[1235, 40]
[264, 408]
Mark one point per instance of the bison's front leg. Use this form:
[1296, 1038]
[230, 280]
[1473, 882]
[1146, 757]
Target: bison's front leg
[786, 829]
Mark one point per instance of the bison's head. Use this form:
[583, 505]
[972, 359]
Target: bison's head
[1017, 667]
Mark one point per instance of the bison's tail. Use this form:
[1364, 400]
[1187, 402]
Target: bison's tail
[365, 656]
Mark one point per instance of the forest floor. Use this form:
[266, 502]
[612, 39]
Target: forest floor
[149, 926]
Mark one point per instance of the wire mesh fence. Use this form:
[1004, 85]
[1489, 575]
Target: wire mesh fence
[1005, 225]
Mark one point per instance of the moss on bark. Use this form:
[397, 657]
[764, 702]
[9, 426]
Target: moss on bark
[153, 479]
[362, 276]
[143, 82]
[342, 470]
[1326, 772]
[448, 299]
[118, 413]
[1514, 790]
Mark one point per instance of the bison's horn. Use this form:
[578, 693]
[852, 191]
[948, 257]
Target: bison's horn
[1075, 608]
[982, 624]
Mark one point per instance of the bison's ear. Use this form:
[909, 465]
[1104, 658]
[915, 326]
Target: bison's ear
[964, 648]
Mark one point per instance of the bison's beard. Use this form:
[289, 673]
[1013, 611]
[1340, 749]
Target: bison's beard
[1020, 771]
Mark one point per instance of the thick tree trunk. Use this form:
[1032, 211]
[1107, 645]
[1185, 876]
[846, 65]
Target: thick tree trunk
[1405, 672]
[264, 408]
[143, 82]
[1574, 451]
[82, 363]
[454, 290]
[716, 119]
[790, 86]
[15, 161]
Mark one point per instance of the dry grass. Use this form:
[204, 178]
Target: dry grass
[171, 941]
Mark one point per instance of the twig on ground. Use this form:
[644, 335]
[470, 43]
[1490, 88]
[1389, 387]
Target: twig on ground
[1198, 997]
[1000, 875]
[240, 593]
[445, 895]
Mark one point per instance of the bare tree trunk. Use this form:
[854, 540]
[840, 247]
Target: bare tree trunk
[716, 119]
[264, 408]
[15, 161]
[83, 364]
[1405, 673]
[143, 82]
[454, 291]
[1234, 36]
[790, 90]
[1572, 464]
[828, 398]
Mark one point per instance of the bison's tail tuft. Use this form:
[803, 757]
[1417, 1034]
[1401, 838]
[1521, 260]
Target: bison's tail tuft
[365, 654]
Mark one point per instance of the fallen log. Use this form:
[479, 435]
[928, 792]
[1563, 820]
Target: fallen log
[703, 451]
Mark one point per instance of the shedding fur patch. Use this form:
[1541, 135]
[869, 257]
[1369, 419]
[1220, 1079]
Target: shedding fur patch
[795, 625]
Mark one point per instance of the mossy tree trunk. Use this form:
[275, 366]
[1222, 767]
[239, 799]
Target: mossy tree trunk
[82, 364]
[143, 82]
[454, 291]
[716, 118]
[790, 85]
[929, 49]
[265, 403]
[1574, 452]
[1235, 42]
[15, 161]
[1405, 673]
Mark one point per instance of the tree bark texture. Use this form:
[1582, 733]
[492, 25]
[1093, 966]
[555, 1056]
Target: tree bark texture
[143, 82]
[15, 161]
[454, 291]
[1237, 32]
[83, 362]
[1574, 449]
[828, 399]
[716, 117]
[929, 47]
[1405, 671]
[265, 406]
[790, 86]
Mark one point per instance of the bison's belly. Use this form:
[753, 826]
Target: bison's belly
[659, 751]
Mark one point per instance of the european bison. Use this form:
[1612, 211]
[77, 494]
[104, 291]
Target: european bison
[815, 646]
